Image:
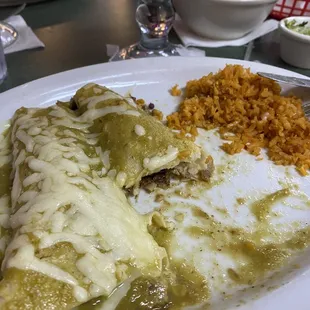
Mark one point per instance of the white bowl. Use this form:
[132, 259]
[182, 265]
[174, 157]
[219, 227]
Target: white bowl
[295, 47]
[223, 19]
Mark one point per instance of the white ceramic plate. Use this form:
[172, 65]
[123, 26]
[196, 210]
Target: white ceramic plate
[246, 177]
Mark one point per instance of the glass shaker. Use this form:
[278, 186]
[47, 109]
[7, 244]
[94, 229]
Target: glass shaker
[155, 19]
[3, 68]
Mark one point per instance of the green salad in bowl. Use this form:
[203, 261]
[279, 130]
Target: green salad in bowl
[302, 27]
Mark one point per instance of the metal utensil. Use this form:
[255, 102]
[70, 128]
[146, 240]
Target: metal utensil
[286, 79]
[306, 107]
[293, 81]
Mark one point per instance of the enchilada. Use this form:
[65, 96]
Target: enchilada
[75, 236]
[134, 145]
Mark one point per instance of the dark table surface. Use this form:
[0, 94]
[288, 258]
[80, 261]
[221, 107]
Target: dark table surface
[75, 34]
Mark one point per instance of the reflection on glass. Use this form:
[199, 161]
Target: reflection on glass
[3, 69]
[8, 34]
[155, 19]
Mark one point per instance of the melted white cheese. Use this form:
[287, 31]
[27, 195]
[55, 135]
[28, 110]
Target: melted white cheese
[92, 114]
[100, 271]
[5, 150]
[70, 203]
[4, 212]
[105, 159]
[121, 178]
[3, 243]
[26, 139]
[159, 161]
[93, 101]
[112, 174]
[25, 259]
[33, 131]
[139, 130]
[130, 112]
[97, 90]
[33, 178]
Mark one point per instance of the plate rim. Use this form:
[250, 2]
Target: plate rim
[291, 294]
[140, 63]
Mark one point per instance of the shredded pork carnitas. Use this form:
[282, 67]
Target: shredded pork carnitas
[183, 171]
